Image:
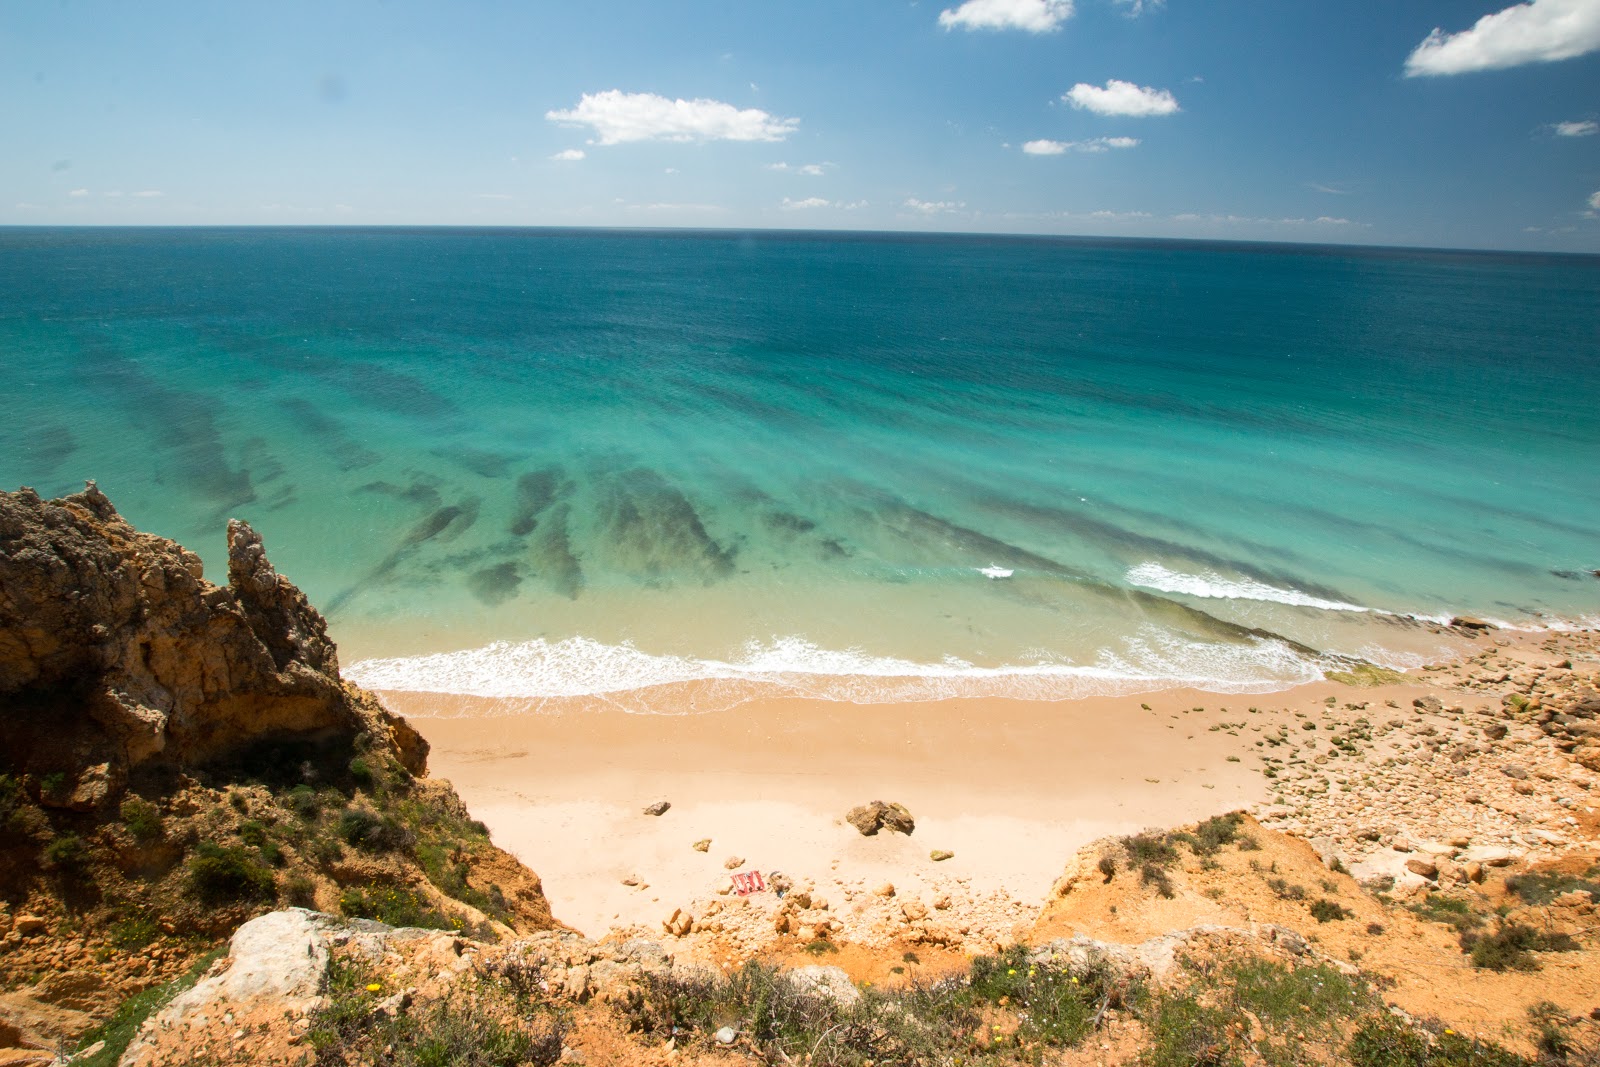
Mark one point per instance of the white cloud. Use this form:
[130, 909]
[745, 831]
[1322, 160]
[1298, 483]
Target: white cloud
[568, 155]
[1577, 129]
[1540, 31]
[1097, 144]
[817, 201]
[618, 118]
[1139, 7]
[79, 192]
[1594, 201]
[1121, 98]
[813, 170]
[1333, 190]
[148, 193]
[935, 207]
[1248, 220]
[1034, 16]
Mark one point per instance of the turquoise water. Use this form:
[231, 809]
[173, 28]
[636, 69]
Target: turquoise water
[588, 461]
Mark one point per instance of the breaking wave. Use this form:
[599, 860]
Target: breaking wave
[1212, 585]
[537, 671]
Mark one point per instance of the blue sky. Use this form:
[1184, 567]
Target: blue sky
[1249, 119]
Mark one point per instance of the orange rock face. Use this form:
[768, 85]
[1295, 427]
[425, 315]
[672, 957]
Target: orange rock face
[116, 653]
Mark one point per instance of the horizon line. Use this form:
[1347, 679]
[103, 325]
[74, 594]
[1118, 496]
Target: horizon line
[790, 232]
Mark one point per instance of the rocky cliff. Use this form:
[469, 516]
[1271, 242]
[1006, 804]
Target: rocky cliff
[178, 756]
[116, 653]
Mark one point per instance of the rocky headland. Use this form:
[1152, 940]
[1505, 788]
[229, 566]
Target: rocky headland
[177, 756]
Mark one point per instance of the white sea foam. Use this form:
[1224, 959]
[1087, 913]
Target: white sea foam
[533, 672]
[1212, 585]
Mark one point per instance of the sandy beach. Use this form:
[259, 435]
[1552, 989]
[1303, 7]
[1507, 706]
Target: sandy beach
[1011, 787]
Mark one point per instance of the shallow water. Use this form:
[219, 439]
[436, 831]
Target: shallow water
[638, 457]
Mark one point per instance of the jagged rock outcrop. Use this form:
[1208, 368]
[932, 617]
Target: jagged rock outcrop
[116, 653]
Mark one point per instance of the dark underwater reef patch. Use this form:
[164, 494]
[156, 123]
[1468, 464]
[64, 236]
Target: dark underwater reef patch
[327, 434]
[550, 551]
[442, 524]
[479, 461]
[495, 585]
[180, 425]
[651, 529]
[536, 491]
[419, 493]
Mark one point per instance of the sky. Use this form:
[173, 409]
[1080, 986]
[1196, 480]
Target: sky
[1441, 123]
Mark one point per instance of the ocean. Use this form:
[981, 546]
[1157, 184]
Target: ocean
[536, 464]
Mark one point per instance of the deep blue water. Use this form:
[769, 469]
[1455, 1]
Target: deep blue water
[654, 454]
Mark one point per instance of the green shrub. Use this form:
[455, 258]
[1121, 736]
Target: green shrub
[1182, 1031]
[1509, 948]
[1452, 911]
[67, 853]
[53, 785]
[361, 774]
[1310, 995]
[1150, 850]
[304, 802]
[1387, 1042]
[1327, 911]
[1284, 891]
[1153, 874]
[395, 907]
[371, 832]
[1209, 837]
[219, 875]
[142, 818]
[11, 796]
[1545, 886]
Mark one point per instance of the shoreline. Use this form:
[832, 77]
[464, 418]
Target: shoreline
[1012, 787]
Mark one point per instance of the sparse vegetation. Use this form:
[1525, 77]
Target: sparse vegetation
[372, 832]
[481, 1023]
[1543, 887]
[1511, 947]
[396, 907]
[66, 854]
[142, 818]
[1327, 911]
[1452, 911]
[219, 875]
